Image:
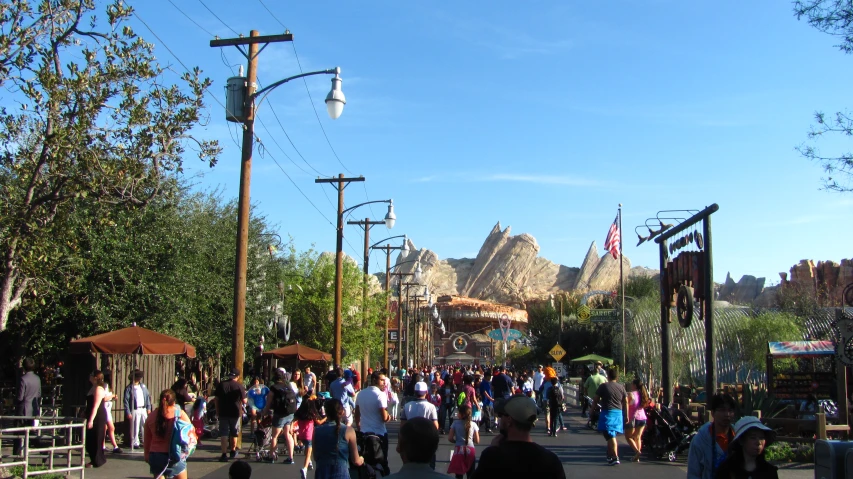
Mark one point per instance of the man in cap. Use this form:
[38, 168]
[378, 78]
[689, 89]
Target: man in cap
[229, 398]
[282, 400]
[538, 379]
[513, 453]
[343, 392]
[420, 407]
[593, 382]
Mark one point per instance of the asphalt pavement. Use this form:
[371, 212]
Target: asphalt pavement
[581, 450]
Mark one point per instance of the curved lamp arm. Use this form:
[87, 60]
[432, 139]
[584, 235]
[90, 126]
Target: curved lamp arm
[390, 217]
[390, 238]
[335, 97]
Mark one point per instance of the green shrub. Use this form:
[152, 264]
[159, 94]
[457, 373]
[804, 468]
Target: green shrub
[779, 452]
[18, 471]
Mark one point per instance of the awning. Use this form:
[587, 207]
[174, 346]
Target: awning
[132, 340]
[298, 351]
[591, 358]
[801, 349]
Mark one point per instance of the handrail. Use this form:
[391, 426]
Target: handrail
[22, 433]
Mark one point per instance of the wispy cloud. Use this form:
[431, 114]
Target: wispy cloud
[424, 179]
[542, 179]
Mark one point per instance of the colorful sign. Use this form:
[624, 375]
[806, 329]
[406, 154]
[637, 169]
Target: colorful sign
[512, 335]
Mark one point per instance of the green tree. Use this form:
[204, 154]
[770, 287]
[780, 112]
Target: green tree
[834, 17]
[757, 330]
[95, 121]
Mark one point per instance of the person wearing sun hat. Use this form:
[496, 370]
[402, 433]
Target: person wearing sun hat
[513, 453]
[710, 445]
[746, 452]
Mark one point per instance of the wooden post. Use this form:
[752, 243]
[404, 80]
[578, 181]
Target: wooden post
[821, 425]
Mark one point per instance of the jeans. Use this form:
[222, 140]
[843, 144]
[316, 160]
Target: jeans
[486, 419]
[446, 412]
[555, 413]
[585, 405]
[137, 425]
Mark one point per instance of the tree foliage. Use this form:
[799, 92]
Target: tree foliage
[90, 118]
[757, 330]
[834, 17]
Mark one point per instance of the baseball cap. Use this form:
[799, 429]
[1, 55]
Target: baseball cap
[234, 373]
[281, 372]
[347, 373]
[751, 422]
[519, 407]
[421, 387]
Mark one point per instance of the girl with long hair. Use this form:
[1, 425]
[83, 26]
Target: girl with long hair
[638, 400]
[108, 405]
[464, 433]
[158, 435]
[96, 413]
[334, 442]
[307, 416]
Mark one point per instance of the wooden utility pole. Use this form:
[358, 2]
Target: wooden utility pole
[243, 203]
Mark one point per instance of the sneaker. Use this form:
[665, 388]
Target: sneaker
[615, 461]
[310, 465]
[289, 460]
[223, 457]
[303, 473]
[233, 454]
[117, 450]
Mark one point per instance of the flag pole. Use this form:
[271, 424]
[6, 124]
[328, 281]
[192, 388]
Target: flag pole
[622, 287]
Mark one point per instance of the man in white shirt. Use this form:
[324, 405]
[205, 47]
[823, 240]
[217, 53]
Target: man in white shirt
[309, 380]
[538, 377]
[137, 405]
[371, 414]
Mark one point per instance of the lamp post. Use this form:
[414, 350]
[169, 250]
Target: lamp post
[390, 219]
[408, 357]
[335, 102]
[404, 250]
[398, 282]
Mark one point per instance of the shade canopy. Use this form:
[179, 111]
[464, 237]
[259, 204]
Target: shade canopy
[132, 340]
[800, 349]
[298, 351]
[591, 358]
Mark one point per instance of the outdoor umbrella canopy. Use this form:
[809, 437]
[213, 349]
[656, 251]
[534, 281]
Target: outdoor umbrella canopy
[300, 352]
[592, 358]
[132, 340]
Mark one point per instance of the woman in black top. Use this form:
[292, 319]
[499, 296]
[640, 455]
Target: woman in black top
[96, 415]
[746, 452]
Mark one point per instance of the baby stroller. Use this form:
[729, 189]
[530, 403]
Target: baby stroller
[592, 421]
[665, 436]
[204, 420]
[262, 440]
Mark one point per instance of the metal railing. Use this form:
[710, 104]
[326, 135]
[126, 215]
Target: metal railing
[67, 436]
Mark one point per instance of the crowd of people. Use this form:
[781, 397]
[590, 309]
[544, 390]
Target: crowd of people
[344, 427]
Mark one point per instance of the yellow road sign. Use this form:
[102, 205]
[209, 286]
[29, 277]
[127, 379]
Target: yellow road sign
[583, 314]
[557, 352]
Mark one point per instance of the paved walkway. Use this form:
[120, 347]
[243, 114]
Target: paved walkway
[581, 450]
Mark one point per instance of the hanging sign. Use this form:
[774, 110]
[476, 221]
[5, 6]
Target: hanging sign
[497, 335]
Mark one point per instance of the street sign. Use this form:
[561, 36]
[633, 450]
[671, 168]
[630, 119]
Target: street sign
[604, 316]
[557, 352]
[497, 335]
[560, 369]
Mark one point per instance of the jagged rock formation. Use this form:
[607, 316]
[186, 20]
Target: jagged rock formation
[742, 292]
[825, 280]
[507, 270]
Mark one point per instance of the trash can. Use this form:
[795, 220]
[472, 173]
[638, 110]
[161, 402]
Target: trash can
[848, 463]
[830, 457]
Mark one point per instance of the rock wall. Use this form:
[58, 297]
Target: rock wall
[508, 270]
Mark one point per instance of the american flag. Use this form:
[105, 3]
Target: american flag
[611, 243]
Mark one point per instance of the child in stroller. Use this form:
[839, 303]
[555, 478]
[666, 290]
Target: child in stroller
[262, 439]
[592, 421]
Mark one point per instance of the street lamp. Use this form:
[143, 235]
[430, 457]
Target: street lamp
[404, 251]
[390, 219]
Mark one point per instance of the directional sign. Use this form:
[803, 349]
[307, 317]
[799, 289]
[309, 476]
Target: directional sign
[497, 335]
[557, 352]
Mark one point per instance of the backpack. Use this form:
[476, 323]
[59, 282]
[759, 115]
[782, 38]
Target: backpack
[556, 395]
[460, 399]
[184, 439]
[284, 400]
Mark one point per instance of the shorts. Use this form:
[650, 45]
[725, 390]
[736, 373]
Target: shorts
[635, 423]
[256, 410]
[305, 442]
[280, 422]
[158, 463]
[610, 423]
[228, 426]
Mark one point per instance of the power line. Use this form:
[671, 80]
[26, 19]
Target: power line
[190, 19]
[279, 146]
[217, 17]
[272, 14]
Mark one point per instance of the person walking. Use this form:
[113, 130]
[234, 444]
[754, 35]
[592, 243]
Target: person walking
[109, 397]
[370, 416]
[27, 398]
[487, 414]
[228, 401]
[613, 400]
[159, 427]
[513, 453]
[710, 445]
[746, 452]
[554, 400]
[418, 442]
[96, 424]
[281, 400]
[638, 400]
[592, 384]
[448, 405]
[307, 418]
[420, 407]
[335, 446]
[137, 405]
[341, 390]
[464, 434]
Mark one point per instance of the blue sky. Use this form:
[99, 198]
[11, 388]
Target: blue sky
[541, 115]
